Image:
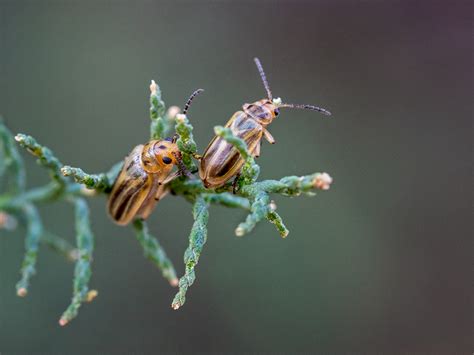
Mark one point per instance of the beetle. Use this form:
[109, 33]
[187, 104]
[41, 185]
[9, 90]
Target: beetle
[221, 161]
[145, 172]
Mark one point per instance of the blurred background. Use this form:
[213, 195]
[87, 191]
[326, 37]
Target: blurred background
[380, 263]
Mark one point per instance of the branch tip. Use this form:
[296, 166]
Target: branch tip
[172, 112]
[66, 170]
[87, 191]
[153, 87]
[7, 221]
[181, 118]
[91, 295]
[74, 254]
[322, 181]
[22, 292]
[272, 205]
[239, 232]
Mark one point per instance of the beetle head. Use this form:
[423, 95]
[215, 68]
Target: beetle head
[263, 111]
[166, 152]
[160, 155]
[163, 155]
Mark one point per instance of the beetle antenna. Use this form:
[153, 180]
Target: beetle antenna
[188, 103]
[264, 78]
[307, 107]
[181, 167]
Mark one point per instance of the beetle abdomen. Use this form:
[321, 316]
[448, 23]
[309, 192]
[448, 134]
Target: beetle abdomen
[221, 161]
[130, 190]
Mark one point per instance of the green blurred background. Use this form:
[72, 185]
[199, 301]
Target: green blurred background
[381, 262]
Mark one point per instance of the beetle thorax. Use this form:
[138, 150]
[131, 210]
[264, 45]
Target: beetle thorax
[159, 155]
[263, 111]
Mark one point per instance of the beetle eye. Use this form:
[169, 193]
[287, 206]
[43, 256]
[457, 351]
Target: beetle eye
[276, 112]
[166, 160]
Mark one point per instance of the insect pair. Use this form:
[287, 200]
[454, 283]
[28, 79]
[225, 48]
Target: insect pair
[148, 168]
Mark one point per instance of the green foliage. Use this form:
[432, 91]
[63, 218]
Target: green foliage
[197, 239]
[82, 271]
[154, 251]
[18, 204]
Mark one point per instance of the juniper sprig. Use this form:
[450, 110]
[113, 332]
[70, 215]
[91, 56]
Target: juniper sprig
[18, 205]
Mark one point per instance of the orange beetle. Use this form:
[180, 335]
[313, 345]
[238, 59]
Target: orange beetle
[145, 172]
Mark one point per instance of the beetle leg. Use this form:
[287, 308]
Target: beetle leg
[186, 173]
[197, 156]
[234, 183]
[170, 177]
[161, 192]
[256, 153]
[268, 136]
[182, 170]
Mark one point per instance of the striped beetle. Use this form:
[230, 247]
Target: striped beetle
[221, 161]
[145, 172]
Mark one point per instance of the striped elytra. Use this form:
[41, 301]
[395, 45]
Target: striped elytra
[221, 160]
